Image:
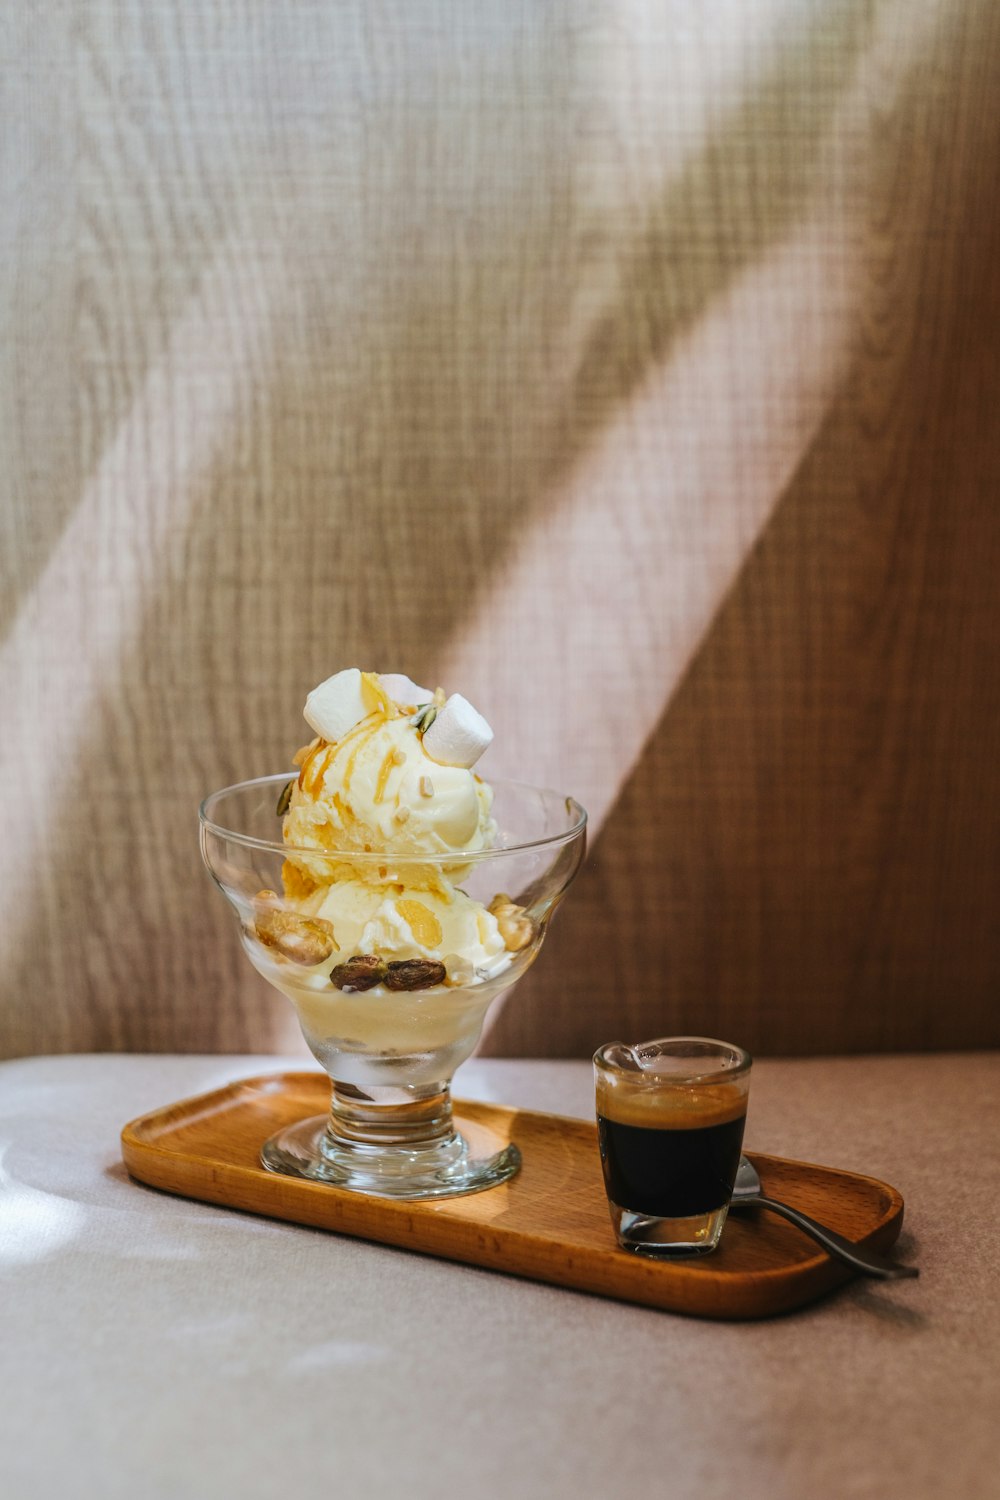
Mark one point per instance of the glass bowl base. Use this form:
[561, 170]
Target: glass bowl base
[444, 1169]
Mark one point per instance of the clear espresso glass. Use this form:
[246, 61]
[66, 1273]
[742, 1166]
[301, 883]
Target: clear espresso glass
[390, 1029]
[670, 1116]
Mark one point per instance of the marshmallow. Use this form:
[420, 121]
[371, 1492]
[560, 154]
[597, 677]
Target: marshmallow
[333, 708]
[459, 734]
[404, 690]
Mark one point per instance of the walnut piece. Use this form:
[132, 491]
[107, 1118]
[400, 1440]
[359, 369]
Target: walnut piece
[304, 940]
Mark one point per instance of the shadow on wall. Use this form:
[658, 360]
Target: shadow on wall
[364, 395]
[808, 845]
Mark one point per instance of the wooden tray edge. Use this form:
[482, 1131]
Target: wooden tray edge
[684, 1290]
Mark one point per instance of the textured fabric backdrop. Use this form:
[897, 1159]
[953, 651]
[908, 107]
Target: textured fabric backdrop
[630, 365]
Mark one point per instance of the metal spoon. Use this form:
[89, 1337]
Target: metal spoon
[747, 1194]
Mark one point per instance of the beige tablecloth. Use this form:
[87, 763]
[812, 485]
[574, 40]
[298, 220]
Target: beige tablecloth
[154, 1347]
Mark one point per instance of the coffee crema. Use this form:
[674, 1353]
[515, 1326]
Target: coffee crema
[657, 1108]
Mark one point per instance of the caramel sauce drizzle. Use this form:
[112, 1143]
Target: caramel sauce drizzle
[296, 882]
[385, 771]
[319, 768]
[372, 688]
[317, 758]
[310, 757]
[346, 816]
[359, 744]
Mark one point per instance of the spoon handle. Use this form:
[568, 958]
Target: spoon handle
[869, 1262]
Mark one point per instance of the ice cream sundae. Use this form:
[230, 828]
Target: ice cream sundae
[387, 779]
[391, 893]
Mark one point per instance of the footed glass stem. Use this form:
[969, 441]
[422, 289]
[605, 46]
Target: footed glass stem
[394, 1142]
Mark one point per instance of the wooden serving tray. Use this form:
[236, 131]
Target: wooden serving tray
[550, 1222]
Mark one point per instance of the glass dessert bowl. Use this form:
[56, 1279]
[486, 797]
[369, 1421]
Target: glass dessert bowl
[391, 961]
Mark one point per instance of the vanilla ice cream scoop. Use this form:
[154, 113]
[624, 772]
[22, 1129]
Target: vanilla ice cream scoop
[378, 790]
[409, 923]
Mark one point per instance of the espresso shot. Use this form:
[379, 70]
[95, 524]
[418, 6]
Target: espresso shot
[669, 1168]
[670, 1119]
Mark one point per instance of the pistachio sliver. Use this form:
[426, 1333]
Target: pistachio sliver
[424, 717]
